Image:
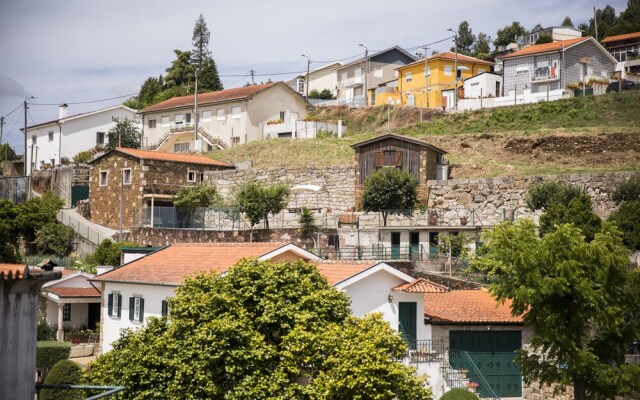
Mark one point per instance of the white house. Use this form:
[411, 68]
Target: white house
[49, 142]
[485, 84]
[325, 77]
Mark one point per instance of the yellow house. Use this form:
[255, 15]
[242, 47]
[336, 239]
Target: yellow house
[439, 71]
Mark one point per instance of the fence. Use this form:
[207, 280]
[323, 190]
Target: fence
[65, 262]
[310, 129]
[82, 227]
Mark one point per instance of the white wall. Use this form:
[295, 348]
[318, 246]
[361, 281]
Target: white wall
[152, 295]
[326, 78]
[78, 134]
[79, 315]
[484, 85]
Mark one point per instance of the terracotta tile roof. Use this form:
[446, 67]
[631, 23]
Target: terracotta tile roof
[451, 56]
[336, 272]
[12, 271]
[421, 285]
[621, 37]
[74, 291]
[467, 306]
[173, 157]
[172, 264]
[211, 97]
[546, 47]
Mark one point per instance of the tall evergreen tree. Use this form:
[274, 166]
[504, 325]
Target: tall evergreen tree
[208, 79]
[181, 70]
[465, 40]
[481, 48]
[567, 22]
[538, 27]
[628, 21]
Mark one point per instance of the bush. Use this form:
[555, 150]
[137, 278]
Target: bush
[55, 238]
[46, 331]
[83, 157]
[64, 372]
[50, 352]
[459, 394]
[108, 252]
[627, 191]
[543, 195]
[627, 219]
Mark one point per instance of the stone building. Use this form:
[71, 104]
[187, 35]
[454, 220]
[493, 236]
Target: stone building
[142, 180]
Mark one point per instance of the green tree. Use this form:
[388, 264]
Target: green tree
[567, 22]
[544, 39]
[257, 201]
[208, 78]
[314, 94]
[109, 252]
[627, 191]
[308, 224]
[8, 233]
[627, 219]
[509, 34]
[326, 94]
[6, 152]
[578, 297]
[542, 195]
[124, 134]
[628, 21]
[465, 39]
[537, 28]
[54, 237]
[200, 41]
[481, 49]
[252, 333]
[35, 213]
[63, 372]
[389, 190]
[606, 21]
[181, 72]
[149, 90]
[200, 195]
[577, 212]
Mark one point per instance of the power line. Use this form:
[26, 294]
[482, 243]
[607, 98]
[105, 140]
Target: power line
[83, 102]
[14, 110]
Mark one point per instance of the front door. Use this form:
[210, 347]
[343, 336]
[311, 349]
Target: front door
[395, 245]
[93, 316]
[414, 246]
[407, 314]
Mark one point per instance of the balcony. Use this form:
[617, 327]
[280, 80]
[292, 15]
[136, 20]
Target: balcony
[546, 74]
[353, 82]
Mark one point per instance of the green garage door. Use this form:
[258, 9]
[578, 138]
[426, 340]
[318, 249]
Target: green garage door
[79, 192]
[493, 354]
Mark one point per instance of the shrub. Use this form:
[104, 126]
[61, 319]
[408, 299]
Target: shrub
[542, 195]
[46, 331]
[108, 252]
[83, 157]
[627, 191]
[48, 353]
[459, 394]
[627, 219]
[64, 372]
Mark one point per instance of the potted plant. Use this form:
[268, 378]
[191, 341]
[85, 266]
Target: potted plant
[472, 386]
[462, 373]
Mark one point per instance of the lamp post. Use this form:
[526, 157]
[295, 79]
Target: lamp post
[455, 92]
[366, 72]
[306, 80]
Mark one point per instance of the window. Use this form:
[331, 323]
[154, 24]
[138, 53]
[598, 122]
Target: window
[187, 118]
[522, 69]
[344, 76]
[152, 123]
[282, 113]
[66, 312]
[206, 116]
[395, 73]
[220, 114]
[51, 136]
[235, 141]
[104, 178]
[389, 158]
[181, 148]
[34, 139]
[126, 176]
[100, 138]
[114, 306]
[235, 112]
[165, 308]
[448, 70]
[377, 72]
[165, 121]
[136, 308]
[427, 71]
[52, 161]
[178, 119]
[408, 76]
[191, 176]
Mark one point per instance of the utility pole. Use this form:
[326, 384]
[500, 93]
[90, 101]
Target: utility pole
[195, 111]
[595, 21]
[25, 138]
[455, 90]
[426, 74]
[1, 126]
[252, 80]
[366, 72]
[306, 80]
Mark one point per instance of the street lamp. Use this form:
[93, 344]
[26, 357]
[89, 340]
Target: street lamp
[455, 92]
[306, 80]
[366, 72]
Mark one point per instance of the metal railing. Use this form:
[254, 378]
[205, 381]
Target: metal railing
[108, 391]
[381, 252]
[461, 360]
[426, 351]
[82, 227]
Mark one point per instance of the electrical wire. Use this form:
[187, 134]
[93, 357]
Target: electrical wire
[84, 102]
[14, 110]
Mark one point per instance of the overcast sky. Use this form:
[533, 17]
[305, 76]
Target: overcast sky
[75, 51]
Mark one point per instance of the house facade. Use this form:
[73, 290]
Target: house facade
[550, 67]
[49, 142]
[422, 160]
[356, 78]
[321, 78]
[485, 84]
[226, 118]
[436, 75]
[626, 50]
[556, 33]
[143, 180]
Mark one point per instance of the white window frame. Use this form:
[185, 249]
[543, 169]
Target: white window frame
[191, 172]
[220, 114]
[178, 119]
[136, 308]
[448, 70]
[104, 138]
[236, 112]
[165, 121]
[522, 69]
[176, 150]
[206, 116]
[115, 304]
[124, 176]
[155, 122]
[103, 182]
[51, 136]
[408, 76]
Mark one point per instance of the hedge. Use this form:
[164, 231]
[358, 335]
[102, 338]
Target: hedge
[459, 394]
[50, 352]
[64, 372]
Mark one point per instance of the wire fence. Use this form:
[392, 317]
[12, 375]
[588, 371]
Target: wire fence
[82, 227]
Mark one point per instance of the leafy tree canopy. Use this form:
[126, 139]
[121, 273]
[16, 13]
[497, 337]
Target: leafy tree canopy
[627, 191]
[509, 34]
[181, 71]
[6, 152]
[627, 219]
[255, 333]
[544, 39]
[628, 21]
[481, 49]
[196, 196]
[109, 252]
[35, 213]
[577, 212]
[389, 190]
[466, 39]
[55, 238]
[124, 134]
[579, 298]
[542, 195]
[258, 201]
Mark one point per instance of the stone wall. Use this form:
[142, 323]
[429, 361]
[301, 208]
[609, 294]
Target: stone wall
[337, 182]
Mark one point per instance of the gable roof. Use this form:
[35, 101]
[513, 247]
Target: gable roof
[170, 265]
[421, 285]
[211, 97]
[481, 74]
[76, 116]
[337, 272]
[547, 47]
[162, 156]
[379, 53]
[68, 274]
[626, 36]
[399, 137]
[467, 306]
[450, 56]
[74, 291]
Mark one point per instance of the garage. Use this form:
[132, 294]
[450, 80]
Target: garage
[491, 353]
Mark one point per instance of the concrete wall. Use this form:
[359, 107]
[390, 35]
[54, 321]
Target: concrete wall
[60, 180]
[14, 188]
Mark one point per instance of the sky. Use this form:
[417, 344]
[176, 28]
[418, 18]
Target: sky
[93, 54]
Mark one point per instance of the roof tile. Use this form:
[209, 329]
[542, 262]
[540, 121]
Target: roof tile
[336, 272]
[621, 37]
[421, 285]
[12, 271]
[173, 157]
[74, 291]
[468, 306]
[546, 47]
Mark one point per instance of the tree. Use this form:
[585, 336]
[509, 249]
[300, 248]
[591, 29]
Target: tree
[200, 41]
[481, 49]
[6, 152]
[8, 233]
[628, 21]
[208, 78]
[64, 372]
[544, 39]
[578, 297]
[181, 71]
[253, 333]
[258, 201]
[542, 195]
[537, 28]
[509, 34]
[627, 219]
[109, 252]
[389, 190]
[627, 191]
[189, 199]
[54, 237]
[35, 213]
[124, 134]
[577, 212]
[314, 94]
[606, 20]
[567, 22]
[326, 94]
[308, 224]
[465, 39]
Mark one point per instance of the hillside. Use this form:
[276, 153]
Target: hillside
[567, 136]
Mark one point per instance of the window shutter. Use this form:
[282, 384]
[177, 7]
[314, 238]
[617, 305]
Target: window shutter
[399, 159]
[110, 305]
[132, 305]
[164, 308]
[119, 311]
[379, 159]
[141, 319]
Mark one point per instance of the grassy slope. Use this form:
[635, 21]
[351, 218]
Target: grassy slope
[617, 112]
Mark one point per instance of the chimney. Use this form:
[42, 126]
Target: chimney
[62, 113]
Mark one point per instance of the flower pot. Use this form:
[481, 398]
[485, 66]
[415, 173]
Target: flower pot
[472, 389]
[463, 221]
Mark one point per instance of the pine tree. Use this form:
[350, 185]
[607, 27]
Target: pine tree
[208, 79]
[567, 22]
[481, 48]
[465, 39]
